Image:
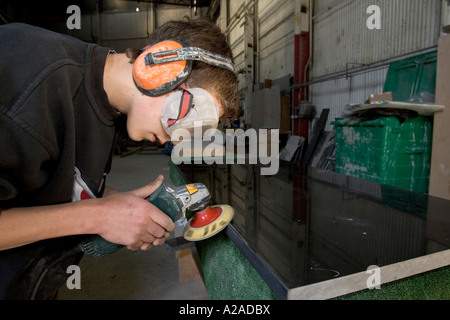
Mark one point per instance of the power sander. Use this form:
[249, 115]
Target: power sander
[206, 221]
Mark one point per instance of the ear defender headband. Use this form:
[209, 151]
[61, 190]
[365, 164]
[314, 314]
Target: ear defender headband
[166, 65]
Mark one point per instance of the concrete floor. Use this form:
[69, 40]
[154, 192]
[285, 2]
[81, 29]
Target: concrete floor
[158, 274]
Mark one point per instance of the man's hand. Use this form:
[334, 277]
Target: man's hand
[123, 218]
[131, 220]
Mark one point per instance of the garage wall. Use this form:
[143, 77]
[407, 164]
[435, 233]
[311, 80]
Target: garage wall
[349, 60]
[343, 43]
[261, 35]
[275, 39]
[119, 25]
[272, 35]
[341, 36]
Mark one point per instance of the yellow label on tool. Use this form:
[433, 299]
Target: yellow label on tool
[191, 188]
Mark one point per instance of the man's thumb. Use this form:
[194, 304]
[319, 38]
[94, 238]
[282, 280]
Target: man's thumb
[147, 190]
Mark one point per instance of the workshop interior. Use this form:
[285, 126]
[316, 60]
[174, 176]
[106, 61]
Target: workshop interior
[349, 97]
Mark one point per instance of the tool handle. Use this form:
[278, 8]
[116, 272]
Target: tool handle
[98, 247]
[167, 203]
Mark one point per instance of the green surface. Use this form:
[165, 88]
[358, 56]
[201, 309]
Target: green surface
[228, 274]
[386, 151]
[434, 285]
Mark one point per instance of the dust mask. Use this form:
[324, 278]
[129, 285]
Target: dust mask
[186, 106]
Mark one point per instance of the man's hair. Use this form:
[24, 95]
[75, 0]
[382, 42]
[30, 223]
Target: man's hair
[206, 35]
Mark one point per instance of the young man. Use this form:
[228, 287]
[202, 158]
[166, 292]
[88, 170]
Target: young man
[60, 103]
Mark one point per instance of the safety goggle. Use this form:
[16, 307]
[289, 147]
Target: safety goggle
[186, 108]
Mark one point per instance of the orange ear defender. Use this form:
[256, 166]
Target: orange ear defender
[166, 65]
[157, 79]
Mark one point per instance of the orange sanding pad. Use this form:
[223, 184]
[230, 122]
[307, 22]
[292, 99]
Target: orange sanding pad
[208, 222]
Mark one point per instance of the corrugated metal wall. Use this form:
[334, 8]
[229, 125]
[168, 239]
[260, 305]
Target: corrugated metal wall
[343, 42]
[341, 36]
[275, 31]
[234, 28]
[273, 35]
[337, 94]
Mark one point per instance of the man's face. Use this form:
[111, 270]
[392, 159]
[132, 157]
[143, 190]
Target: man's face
[144, 120]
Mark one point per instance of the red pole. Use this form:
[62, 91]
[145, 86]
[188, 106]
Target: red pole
[301, 76]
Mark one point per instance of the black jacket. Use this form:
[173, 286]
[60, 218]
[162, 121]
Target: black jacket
[55, 120]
